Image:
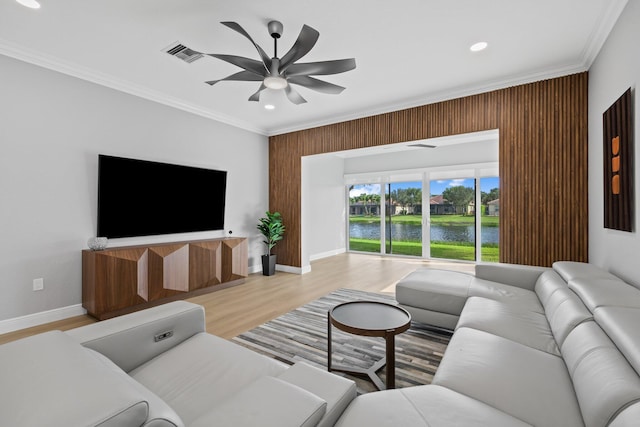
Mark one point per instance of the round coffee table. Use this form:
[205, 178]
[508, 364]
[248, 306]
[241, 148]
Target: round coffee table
[371, 319]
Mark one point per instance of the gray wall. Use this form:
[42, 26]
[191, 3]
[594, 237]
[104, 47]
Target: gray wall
[52, 128]
[323, 207]
[616, 68]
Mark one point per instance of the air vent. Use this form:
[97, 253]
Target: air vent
[182, 52]
[423, 145]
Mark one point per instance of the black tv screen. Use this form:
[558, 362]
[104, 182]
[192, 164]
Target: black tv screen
[143, 198]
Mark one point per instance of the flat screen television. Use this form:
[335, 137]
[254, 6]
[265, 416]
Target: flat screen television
[143, 198]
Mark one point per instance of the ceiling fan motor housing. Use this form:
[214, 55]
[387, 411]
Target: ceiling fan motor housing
[275, 29]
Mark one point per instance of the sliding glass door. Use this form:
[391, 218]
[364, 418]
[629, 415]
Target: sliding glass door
[452, 219]
[403, 218]
[364, 218]
[388, 217]
[490, 219]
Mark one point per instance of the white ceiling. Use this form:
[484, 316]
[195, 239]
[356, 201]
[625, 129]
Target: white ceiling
[408, 53]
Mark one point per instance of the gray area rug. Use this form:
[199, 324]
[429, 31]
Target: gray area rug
[301, 335]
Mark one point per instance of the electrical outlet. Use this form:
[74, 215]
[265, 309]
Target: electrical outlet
[38, 284]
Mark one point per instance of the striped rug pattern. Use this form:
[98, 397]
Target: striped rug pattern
[301, 335]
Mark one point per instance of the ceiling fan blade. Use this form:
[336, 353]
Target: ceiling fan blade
[236, 27]
[294, 96]
[248, 64]
[305, 42]
[256, 96]
[321, 68]
[315, 84]
[242, 76]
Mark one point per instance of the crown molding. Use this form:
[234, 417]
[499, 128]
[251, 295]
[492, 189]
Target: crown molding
[444, 95]
[37, 58]
[600, 34]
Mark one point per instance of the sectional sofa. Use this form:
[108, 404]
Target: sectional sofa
[531, 347]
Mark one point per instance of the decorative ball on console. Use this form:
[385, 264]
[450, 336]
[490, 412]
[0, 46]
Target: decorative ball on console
[97, 243]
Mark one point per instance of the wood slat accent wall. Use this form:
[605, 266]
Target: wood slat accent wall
[543, 163]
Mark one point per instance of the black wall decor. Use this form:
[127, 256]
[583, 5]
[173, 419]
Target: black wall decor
[617, 124]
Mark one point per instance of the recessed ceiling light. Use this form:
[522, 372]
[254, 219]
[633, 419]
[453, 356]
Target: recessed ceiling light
[269, 107]
[478, 47]
[32, 4]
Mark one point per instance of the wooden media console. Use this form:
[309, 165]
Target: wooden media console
[116, 281]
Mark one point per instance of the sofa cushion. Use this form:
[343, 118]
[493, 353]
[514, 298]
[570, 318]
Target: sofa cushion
[267, 402]
[548, 283]
[526, 383]
[49, 379]
[498, 318]
[423, 406]
[337, 391]
[622, 325]
[521, 276]
[518, 297]
[202, 371]
[605, 292]
[604, 381]
[628, 417]
[571, 270]
[563, 308]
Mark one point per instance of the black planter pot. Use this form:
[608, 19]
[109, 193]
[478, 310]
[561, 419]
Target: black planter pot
[268, 265]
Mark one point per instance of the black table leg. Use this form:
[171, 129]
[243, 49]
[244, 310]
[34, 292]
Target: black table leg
[391, 359]
[328, 341]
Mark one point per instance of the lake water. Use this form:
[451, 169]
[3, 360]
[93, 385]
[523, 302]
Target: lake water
[447, 233]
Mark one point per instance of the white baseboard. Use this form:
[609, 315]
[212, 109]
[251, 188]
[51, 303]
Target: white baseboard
[285, 268]
[327, 254]
[294, 270]
[35, 319]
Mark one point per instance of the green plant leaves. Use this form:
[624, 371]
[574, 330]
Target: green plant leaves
[272, 229]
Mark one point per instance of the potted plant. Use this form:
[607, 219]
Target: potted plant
[272, 229]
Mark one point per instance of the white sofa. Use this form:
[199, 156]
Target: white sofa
[531, 347]
[156, 368]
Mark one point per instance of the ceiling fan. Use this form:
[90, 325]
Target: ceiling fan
[280, 73]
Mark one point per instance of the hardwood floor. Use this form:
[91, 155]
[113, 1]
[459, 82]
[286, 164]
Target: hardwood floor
[232, 311]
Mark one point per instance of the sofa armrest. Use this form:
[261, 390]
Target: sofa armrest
[522, 276]
[134, 339]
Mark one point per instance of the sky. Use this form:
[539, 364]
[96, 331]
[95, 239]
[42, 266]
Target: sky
[437, 186]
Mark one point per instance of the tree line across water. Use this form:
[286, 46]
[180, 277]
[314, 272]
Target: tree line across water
[459, 196]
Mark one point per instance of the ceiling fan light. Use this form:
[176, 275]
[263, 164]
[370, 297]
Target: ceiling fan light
[477, 47]
[273, 82]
